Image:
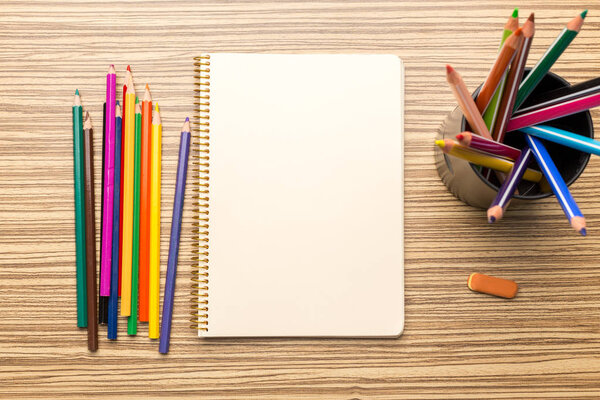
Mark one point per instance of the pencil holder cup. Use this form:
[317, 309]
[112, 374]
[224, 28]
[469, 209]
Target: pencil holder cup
[465, 180]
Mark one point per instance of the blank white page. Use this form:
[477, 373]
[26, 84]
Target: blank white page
[306, 195]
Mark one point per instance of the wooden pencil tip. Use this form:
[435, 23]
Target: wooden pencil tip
[518, 32]
[76, 92]
[147, 87]
[460, 136]
[119, 104]
[449, 69]
[583, 13]
[583, 232]
[129, 68]
[137, 100]
[156, 107]
[87, 115]
[515, 13]
[187, 119]
[531, 17]
[111, 69]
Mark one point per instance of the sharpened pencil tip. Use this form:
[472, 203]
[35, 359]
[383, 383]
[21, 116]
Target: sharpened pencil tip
[118, 103]
[460, 136]
[156, 107]
[187, 119]
[583, 232]
[583, 13]
[76, 92]
[531, 17]
[147, 87]
[129, 68]
[491, 219]
[515, 13]
[440, 143]
[137, 100]
[449, 69]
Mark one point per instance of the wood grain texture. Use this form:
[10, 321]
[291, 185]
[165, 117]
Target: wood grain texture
[457, 344]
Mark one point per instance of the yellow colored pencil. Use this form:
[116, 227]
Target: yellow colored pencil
[128, 152]
[449, 147]
[154, 278]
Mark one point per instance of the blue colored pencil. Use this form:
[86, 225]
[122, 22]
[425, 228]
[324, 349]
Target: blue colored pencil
[113, 299]
[167, 314]
[565, 138]
[496, 210]
[558, 185]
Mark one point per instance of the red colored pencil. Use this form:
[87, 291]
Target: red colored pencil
[479, 143]
[144, 260]
[555, 111]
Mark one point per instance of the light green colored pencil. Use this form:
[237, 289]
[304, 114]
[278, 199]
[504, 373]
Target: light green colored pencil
[491, 112]
[135, 248]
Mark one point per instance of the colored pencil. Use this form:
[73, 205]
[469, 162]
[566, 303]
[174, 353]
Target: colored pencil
[109, 170]
[102, 300]
[513, 80]
[113, 300]
[145, 205]
[564, 138]
[167, 314]
[485, 160]
[509, 186]
[548, 59]
[479, 143]
[555, 111]
[90, 233]
[154, 276]
[563, 95]
[127, 77]
[490, 114]
[558, 185]
[466, 102]
[498, 71]
[127, 209]
[80, 262]
[135, 260]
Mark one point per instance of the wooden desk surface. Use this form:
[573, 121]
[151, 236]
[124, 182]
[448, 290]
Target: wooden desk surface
[456, 344]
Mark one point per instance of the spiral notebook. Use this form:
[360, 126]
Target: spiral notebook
[299, 174]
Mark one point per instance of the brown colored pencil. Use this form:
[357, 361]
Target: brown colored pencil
[514, 80]
[466, 103]
[90, 233]
[505, 57]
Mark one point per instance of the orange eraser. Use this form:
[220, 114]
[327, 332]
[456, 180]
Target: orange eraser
[492, 285]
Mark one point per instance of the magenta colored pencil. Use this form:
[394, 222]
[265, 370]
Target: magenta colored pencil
[109, 177]
[535, 117]
[480, 143]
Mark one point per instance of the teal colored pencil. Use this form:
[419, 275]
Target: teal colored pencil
[549, 58]
[135, 259]
[491, 112]
[80, 259]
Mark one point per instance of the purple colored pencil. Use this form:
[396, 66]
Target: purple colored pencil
[480, 143]
[167, 314]
[496, 210]
[109, 172]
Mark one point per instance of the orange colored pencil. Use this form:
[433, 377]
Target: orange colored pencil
[466, 103]
[514, 80]
[505, 57]
[144, 268]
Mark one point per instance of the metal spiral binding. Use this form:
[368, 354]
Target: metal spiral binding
[201, 167]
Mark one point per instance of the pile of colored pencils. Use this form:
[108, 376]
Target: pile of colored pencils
[130, 215]
[496, 112]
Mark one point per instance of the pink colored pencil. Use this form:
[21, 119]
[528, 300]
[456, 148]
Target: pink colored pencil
[480, 143]
[535, 117]
[109, 177]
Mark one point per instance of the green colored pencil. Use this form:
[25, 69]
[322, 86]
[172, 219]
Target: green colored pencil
[491, 112]
[80, 266]
[549, 58]
[135, 248]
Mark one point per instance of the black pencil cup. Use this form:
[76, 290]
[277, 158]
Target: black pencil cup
[465, 181]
